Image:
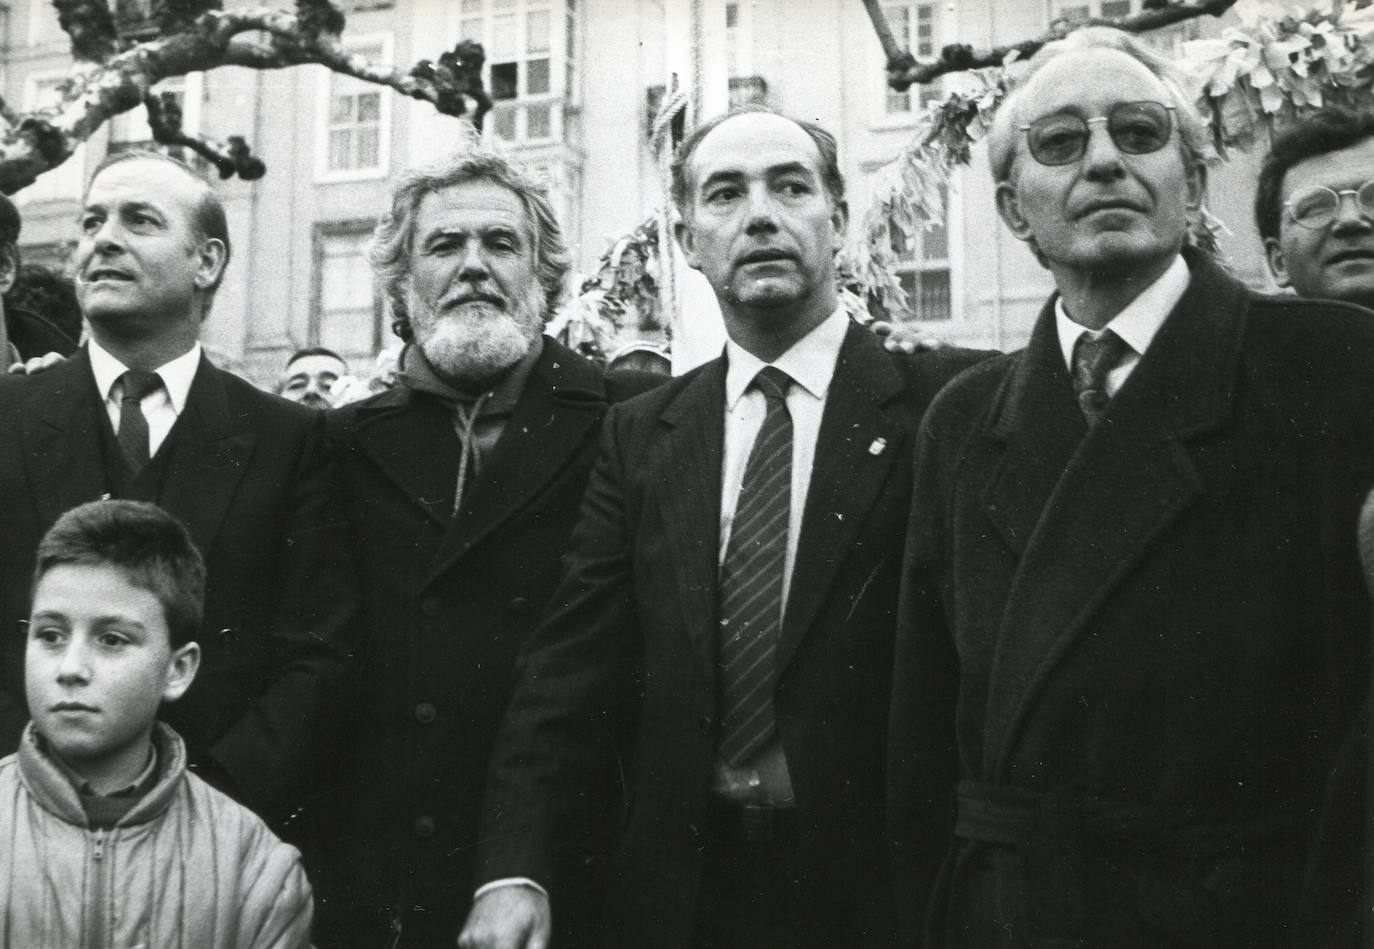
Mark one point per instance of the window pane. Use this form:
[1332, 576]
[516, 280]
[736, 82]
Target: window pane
[536, 77]
[503, 124]
[502, 4]
[340, 110]
[472, 6]
[369, 147]
[731, 15]
[503, 44]
[898, 102]
[1115, 8]
[369, 106]
[899, 19]
[932, 303]
[504, 77]
[340, 149]
[537, 31]
[1074, 13]
[538, 121]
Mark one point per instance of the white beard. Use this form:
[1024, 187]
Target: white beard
[477, 342]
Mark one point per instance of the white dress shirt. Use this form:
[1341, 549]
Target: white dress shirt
[1137, 324]
[160, 408]
[811, 365]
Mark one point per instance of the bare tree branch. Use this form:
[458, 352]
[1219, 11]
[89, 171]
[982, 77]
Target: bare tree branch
[904, 71]
[91, 28]
[230, 158]
[105, 88]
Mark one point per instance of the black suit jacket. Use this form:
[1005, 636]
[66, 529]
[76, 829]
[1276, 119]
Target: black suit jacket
[250, 477]
[629, 652]
[446, 605]
[1141, 650]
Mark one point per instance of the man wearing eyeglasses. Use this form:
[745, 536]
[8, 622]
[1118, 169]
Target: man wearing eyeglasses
[1315, 207]
[1133, 641]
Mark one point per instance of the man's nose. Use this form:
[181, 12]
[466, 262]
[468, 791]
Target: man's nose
[474, 263]
[1101, 158]
[761, 209]
[1350, 216]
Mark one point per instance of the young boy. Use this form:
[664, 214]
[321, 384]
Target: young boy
[108, 840]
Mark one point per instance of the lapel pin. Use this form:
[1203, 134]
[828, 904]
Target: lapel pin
[878, 446]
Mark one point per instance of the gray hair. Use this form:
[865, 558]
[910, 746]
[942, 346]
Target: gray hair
[392, 241]
[1194, 139]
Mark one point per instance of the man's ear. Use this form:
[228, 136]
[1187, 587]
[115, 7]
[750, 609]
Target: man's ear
[9, 266]
[210, 257]
[839, 222]
[1009, 207]
[687, 241]
[1278, 264]
[181, 671]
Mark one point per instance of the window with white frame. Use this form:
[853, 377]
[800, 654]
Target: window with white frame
[923, 268]
[528, 69]
[63, 183]
[355, 118]
[347, 310]
[1078, 10]
[915, 27]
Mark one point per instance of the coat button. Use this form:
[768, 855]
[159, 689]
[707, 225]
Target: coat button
[424, 827]
[519, 605]
[425, 713]
[431, 605]
[705, 724]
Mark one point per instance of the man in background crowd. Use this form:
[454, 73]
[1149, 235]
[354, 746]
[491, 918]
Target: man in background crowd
[462, 483]
[140, 413]
[1315, 206]
[311, 377]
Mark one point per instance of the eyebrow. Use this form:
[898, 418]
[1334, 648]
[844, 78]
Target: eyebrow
[772, 171]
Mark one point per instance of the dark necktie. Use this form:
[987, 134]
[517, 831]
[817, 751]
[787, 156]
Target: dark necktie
[751, 580]
[1093, 360]
[133, 427]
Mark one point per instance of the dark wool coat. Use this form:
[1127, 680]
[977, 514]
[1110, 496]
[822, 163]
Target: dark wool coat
[627, 658]
[251, 478]
[1141, 651]
[446, 604]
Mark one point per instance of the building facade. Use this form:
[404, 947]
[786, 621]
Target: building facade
[576, 84]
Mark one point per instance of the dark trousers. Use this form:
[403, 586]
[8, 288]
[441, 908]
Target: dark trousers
[750, 897]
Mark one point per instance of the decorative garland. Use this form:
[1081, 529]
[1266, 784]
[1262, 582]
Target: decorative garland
[1278, 65]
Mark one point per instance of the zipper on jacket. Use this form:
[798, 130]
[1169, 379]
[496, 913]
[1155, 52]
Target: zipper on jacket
[97, 936]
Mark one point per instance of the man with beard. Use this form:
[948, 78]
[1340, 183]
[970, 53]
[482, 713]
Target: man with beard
[462, 485]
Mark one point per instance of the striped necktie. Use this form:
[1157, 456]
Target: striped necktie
[751, 580]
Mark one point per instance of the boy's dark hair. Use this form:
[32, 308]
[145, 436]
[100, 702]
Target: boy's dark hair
[1326, 130]
[151, 547]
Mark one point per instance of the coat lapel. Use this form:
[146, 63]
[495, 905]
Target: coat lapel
[210, 455]
[862, 429]
[427, 432]
[1120, 489]
[563, 400]
[62, 435]
[686, 476]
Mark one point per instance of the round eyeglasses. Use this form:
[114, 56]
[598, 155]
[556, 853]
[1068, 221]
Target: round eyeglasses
[1318, 206]
[1136, 128]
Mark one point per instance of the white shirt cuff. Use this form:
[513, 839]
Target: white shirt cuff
[486, 888]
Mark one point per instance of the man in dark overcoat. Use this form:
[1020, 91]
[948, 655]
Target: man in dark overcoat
[462, 483]
[141, 413]
[1135, 640]
[725, 616]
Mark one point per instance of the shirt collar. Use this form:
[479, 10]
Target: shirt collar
[176, 375]
[1138, 323]
[135, 788]
[810, 362]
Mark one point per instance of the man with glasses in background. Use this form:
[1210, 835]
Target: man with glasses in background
[1134, 640]
[1315, 207]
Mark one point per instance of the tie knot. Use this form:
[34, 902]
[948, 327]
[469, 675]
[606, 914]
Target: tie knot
[138, 383]
[772, 382]
[1094, 359]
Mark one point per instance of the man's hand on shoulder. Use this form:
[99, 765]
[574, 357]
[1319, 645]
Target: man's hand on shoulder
[902, 339]
[508, 917]
[36, 364]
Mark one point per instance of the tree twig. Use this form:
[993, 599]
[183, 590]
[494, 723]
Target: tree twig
[230, 158]
[903, 71]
